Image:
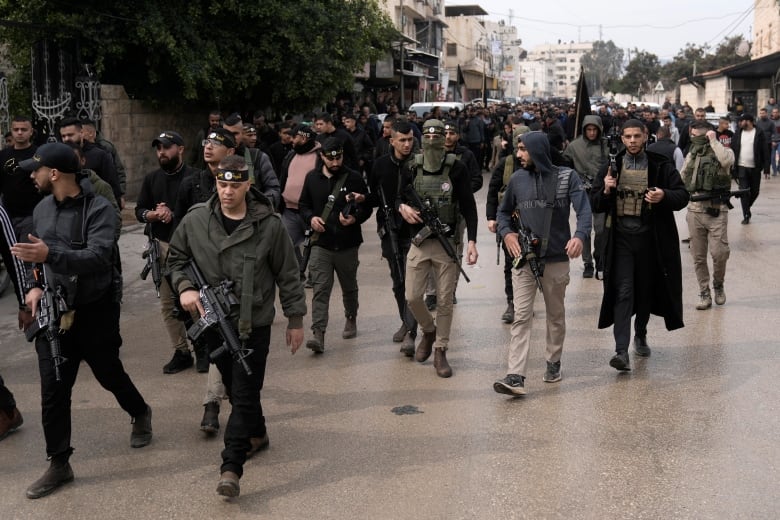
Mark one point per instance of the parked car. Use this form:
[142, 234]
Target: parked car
[421, 108]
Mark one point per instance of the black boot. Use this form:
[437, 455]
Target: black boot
[58, 474]
[210, 422]
[142, 429]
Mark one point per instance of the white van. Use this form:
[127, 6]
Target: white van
[421, 108]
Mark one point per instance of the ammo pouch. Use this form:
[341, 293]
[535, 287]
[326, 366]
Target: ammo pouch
[631, 191]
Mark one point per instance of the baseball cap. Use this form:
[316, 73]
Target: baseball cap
[57, 156]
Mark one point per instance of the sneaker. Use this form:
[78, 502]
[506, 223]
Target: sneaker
[509, 313]
[553, 372]
[512, 384]
[720, 294]
[430, 302]
[705, 301]
[588, 272]
[641, 347]
[181, 360]
[620, 361]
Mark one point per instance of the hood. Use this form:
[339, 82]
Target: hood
[593, 120]
[539, 149]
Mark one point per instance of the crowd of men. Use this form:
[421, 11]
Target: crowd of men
[249, 209]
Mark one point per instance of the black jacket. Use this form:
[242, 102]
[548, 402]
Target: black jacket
[667, 269]
[161, 186]
[387, 173]
[760, 149]
[316, 190]
[101, 162]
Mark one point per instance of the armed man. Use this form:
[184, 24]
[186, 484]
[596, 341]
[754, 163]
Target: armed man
[587, 153]
[394, 232]
[533, 221]
[443, 185]
[237, 239]
[707, 177]
[642, 269]
[75, 303]
[154, 207]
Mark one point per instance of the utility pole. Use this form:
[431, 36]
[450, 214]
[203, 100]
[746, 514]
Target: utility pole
[401, 48]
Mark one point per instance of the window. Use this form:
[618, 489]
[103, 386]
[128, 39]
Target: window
[452, 49]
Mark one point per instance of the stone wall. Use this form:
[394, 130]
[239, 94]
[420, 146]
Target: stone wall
[132, 125]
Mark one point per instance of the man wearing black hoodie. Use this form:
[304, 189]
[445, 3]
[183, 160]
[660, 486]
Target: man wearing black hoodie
[537, 201]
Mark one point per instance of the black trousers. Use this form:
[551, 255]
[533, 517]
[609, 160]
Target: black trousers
[398, 277]
[94, 338]
[7, 401]
[246, 415]
[631, 268]
[748, 178]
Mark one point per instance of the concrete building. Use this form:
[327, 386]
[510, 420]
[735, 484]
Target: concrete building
[766, 32]
[552, 70]
[473, 47]
[412, 67]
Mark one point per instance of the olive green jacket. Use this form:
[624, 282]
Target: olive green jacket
[201, 235]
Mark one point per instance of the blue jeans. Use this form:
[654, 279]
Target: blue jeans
[773, 157]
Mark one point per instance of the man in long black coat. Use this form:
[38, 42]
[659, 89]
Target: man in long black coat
[642, 271]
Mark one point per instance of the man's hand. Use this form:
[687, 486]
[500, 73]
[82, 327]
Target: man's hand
[471, 253]
[346, 221]
[35, 252]
[25, 318]
[492, 226]
[609, 182]
[409, 214]
[513, 245]
[654, 195]
[317, 224]
[574, 247]
[190, 302]
[294, 339]
[32, 298]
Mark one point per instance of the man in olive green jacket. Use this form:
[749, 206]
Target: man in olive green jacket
[237, 231]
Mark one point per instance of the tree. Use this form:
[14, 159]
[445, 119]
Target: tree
[291, 55]
[642, 73]
[602, 64]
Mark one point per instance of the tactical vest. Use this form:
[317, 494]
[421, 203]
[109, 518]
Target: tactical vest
[631, 190]
[509, 169]
[438, 190]
[704, 173]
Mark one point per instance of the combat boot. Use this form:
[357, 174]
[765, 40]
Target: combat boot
[720, 294]
[425, 346]
[210, 421]
[705, 300]
[228, 485]
[440, 363]
[350, 328]
[317, 343]
[142, 429]
[407, 348]
[509, 313]
[58, 474]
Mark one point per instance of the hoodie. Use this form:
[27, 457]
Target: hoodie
[526, 192]
[587, 156]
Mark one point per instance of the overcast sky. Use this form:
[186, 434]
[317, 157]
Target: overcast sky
[661, 27]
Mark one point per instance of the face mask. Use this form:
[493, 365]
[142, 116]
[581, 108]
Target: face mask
[433, 153]
[699, 140]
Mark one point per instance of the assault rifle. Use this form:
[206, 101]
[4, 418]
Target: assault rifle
[529, 242]
[216, 302]
[724, 196]
[390, 228]
[433, 226]
[47, 320]
[152, 256]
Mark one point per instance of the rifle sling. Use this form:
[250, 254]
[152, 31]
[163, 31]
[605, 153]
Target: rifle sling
[331, 201]
[247, 298]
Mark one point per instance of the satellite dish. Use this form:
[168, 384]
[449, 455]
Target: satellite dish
[743, 49]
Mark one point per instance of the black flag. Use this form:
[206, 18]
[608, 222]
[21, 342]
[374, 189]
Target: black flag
[582, 108]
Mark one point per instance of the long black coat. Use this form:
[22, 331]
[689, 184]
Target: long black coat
[667, 271]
